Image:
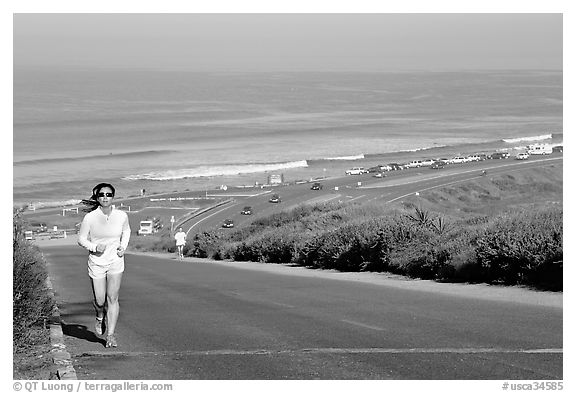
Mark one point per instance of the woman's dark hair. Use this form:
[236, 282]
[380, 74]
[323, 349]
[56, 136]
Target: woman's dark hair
[92, 203]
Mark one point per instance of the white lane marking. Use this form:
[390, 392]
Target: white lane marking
[213, 214]
[247, 297]
[240, 352]
[358, 197]
[281, 304]
[240, 195]
[443, 185]
[371, 327]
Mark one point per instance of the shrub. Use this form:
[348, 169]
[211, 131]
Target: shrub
[518, 248]
[32, 301]
[278, 245]
[205, 245]
[153, 243]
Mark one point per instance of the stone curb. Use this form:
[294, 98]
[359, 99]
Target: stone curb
[60, 356]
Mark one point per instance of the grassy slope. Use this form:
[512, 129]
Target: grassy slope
[490, 195]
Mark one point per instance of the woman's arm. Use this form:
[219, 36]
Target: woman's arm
[125, 238]
[83, 235]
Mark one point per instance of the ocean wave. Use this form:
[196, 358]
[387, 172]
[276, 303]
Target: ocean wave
[212, 171]
[422, 148]
[94, 157]
[528, 138]
[69, 202]
[343, 158]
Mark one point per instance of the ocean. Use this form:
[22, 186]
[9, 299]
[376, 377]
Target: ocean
[174, 130]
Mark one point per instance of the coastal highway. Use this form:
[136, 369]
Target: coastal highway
[203, 319]
[357, 188]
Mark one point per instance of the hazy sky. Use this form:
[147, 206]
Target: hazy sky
[273, 42]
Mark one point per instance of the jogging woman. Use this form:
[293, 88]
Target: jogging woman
[105, 233]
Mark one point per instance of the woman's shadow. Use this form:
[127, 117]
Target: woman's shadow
[81, 332]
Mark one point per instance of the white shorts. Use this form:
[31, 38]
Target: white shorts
[101, 271]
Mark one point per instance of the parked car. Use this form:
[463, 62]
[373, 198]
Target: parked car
[316, 186]
[473, 157]
[428, 162]
[275, 198]
[522, 156]
[539, 149]
[457, 160]
[247, 210]
[356, 171]
[149, 226]
[37, 227]
[414, 164]
[228, 223]
[499, 155]
[438, 165]
[395, 166]
[557, 149]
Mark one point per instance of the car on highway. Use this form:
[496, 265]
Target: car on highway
[247, 210]
[275, 198]
[438, 165]
[356, 171]
[228, 223]
[379, 175]
[316, 186]
[522, 156]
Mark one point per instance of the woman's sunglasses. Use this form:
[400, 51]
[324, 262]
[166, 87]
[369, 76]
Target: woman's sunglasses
[105, 194]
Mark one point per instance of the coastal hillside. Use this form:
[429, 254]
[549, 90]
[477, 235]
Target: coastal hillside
[504, 229]
[492, 195]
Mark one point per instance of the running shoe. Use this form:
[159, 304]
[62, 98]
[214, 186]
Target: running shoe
[111, 341]
[98, 325]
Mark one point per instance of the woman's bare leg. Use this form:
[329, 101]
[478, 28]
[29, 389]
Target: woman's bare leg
[99, 291]
[112, 303]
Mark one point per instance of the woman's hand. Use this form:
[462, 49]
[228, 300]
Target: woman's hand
[120, 251]
[100, 248]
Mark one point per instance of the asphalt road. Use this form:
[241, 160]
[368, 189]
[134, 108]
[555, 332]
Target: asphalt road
[204, 320]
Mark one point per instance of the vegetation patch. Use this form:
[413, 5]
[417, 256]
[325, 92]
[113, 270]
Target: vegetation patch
[32, 306]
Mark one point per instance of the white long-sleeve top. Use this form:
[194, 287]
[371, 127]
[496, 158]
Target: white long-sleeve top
[99, 228]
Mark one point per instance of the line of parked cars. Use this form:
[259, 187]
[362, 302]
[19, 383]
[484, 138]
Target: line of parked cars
[439, 163]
